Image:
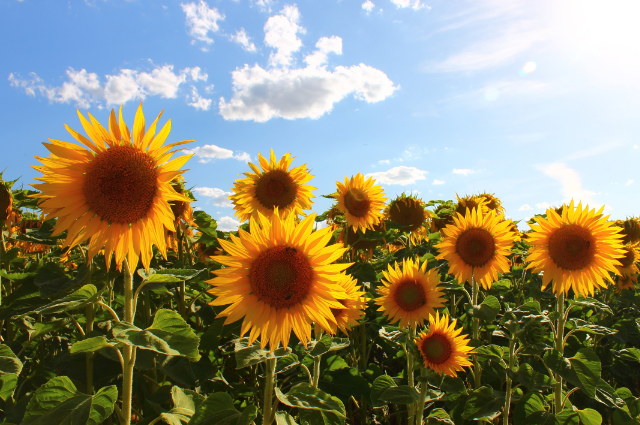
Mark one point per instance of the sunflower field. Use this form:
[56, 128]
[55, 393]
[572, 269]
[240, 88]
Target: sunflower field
[120, 304]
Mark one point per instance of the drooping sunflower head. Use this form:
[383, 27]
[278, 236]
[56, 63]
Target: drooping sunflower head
[443, 349]
[576, 250]
[471, 202]
[477, 244]
[410, 293]
[182, 211]
[626, 282]
[492, 202]
[409, 211]
[115, 190]
[361, 201]
[272, 186]
[280, 277]
[6, 202]
[354, 305]
[630, 230]
[628, 265]
[443, 216]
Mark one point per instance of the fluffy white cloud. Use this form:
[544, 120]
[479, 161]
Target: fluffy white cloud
[243, 40]
[219, 197]
[570, 181]
[84, 88]
[399, 175]
[201, 19]
[384, 161]
[414, 4]
[227, 224]
[325, 46]
[464, 171]
[264, 5]
[368, 6]
[198, 101]
[543, 205]
[208, 153]
[437, 182]
[525, 207]
[281, 33]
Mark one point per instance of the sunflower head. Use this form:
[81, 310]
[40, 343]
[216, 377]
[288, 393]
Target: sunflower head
[628, 265]
[410, 293]
[354, 304]
[280, 277]
[492, 202]
[407, 211]
[626, 282]
[272, 186]
[630, 230]
[471, 202]
[477, 245]
[6, 201]
[442, 216]
[359, 242]
[443, 349]
[115, 190]
[576, 251]
[361, 201]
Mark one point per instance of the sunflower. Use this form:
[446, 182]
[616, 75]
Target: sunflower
[631, 230]
[360, 201]
[116, 192]
[626, 282]
[442, 216]
[410, 293]
[6, 203]
[628, 265]
[477, 245]
[409, 211]
[275, 186]
[280, 278]
[354, 305]
[576, 250]
[492, 202]
[182, 210]
[471, 203]
[443, 349]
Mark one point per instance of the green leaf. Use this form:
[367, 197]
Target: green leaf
[379, 386]
[394, 334]
[482, 404]
[629, 355]
[205, 223]
[249, 355]
[169, 334]
[217, 409]
[589, 417]
[248, 415]
[41, 328]
[58, 402]
[590, 302]
[582, 370]
[488, 310]
[10, 369]
[401, 394]
[566, 417]
[318, 417]
[528, 404]
[186, 372]
[344, 383]
[286, 363]
[78, 299]
[283, 418]
[184, 406]
[584, 326]
[89, 345]
[318, 348]
[438, 417]
[304, 396]
[532, 379]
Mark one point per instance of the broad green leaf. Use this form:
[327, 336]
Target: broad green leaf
[488, 310]
[89, 345]
[318, 348]
[186, 372]
[394, 334]
[482, 403]
[169, 334]
[75, 300]
[589, 417]
[286, 363]
[58, 402]
[185, 403]
[248, 355]
[532, 379]
[582, 370]
[629, 355]
[318, 417]
[283, 418]
[304, 396]
[43, 328]
[529, 403]
[590, 302]
[402, 394]
[583, 326]
[217, 409]
[10, 369]
[438, 417]
[344, 383]
[248, 415]
[334, 362]
[379, 386]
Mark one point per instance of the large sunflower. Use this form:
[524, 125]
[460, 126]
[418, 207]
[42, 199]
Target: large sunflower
[116, 192]
[273, 187]
[628, 262]
[410, 293]
[576, 250]
[443, 349]
[360, 201]
[409, 211]
[354, 305]
[279, 277]
[477, 245]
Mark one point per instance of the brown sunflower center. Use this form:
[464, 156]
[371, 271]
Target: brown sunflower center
[120, 184]
[475, 247]
[409, 295]
[276, 188]
[572, 247]
[177, 207]
[357, 202]
[629, 257]
[5, 202]
[407, 213]
[281, 276]
[436, 349]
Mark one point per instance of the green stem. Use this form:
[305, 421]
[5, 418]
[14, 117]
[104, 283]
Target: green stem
[423, 395]
[267, 414]
[512, 360]
[363, 347]
[477, 371]
[559, 342]
[452, 313]
[89, 328]
[129, 357]
[179, 237]
[410, 377]
[316, 371]
[2, 248]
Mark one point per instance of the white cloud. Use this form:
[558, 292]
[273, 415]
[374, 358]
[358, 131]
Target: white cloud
[281, 34]
[543, 205]
[219, 197]
[384, 161]
[243, 40]
[201, 19]
[525, 207]
[264, 5]
[570, 181]
[437, 182]
[208, 153]
[399, 175]
[368, 6]
[325, 46]
[198, 101]
[84, 88]
[414, 4]
[629, 182]
[464, 171]
[227, 224]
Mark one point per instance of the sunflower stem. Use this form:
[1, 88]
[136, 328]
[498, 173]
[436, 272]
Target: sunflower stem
[267, 405]
[560, 347]
[477, 371]
[363, 346]
[512, 360]
[410, 377]
[2, 248]
[129, 357]
[423, 395]
[316, 371]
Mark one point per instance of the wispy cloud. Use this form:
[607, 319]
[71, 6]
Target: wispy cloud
[570, 182]
[399, 175]
[368, 6]
[208, 153]
[594, 150]
[201, 20]
[463, 171]
[525, 207]
[219, 197]
[438, 182]
[629, 182]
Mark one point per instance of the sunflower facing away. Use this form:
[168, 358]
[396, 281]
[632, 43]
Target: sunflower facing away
[280, 278]
[576, 250]
[409, 211]
[443, 349]
[115, 191]
[6, 204]
[410, 293]
[630, 230]
[477, 245]
[492, 202]
[628, 265]
[471, 202]
[354, 305]
[360, 201]
[273, 187]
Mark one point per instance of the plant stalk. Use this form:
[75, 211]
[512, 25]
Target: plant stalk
[512, 361]
[316, 371]
[129, 355]
[477, 371]
[423, 395]
[410, 377]
[267, 404]
[560, 347]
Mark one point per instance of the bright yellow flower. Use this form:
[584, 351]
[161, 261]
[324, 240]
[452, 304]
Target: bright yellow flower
[354, 305]
[360, 201]
[443, 349]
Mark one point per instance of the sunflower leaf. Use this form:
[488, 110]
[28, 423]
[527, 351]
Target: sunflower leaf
[10, 368]
[304, 396]
[283, 418]
[489, 309]
[582, 370]
[248, 355]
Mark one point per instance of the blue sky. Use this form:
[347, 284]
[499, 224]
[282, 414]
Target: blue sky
[537, 102]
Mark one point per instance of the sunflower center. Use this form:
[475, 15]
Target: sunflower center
[276, 188]
[281, 277]
[475, 247]
[120, 184]
[410, 295]
[407, 213]
[572, 247]
[357, 202]
[629, 257]
[436, 349]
